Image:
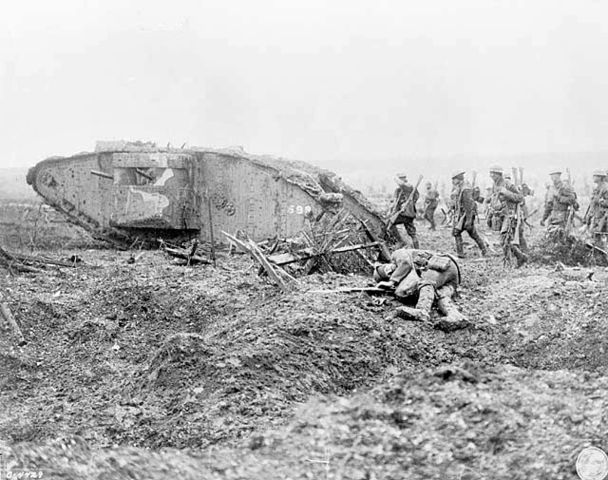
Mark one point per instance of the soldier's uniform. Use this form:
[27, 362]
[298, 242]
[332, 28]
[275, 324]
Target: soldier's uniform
[407, 217]
[597, 216]
[434, 276]
[431, 200]
[464, 213]
[559, 202]
[505, 215]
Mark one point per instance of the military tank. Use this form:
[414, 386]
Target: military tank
[125, 191]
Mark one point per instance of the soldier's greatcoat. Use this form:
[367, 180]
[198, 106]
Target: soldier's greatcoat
[560, 198]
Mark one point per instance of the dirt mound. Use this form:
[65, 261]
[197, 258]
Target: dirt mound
[460, 421]
[152, 354]
[473, 423]
[159, 355]
[555, 246]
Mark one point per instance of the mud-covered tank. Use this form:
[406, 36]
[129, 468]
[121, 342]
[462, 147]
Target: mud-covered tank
[132, 190]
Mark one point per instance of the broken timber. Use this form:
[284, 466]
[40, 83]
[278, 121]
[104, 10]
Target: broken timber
[10, 320]
[308, 253]
[184, 254]
[277, 274]
[29, 263]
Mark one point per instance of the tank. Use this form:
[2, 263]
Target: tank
[129, 191]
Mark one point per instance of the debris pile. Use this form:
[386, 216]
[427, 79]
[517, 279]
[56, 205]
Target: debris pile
[556, 245]
[19, 262]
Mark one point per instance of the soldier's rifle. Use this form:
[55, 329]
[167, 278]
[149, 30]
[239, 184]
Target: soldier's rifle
[515, 179]
[356, 289]
[515, 240]
[409, 200]
[569, 219]
[473, 191]
[595, 247]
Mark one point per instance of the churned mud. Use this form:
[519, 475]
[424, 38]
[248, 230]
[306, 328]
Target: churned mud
[155, 370]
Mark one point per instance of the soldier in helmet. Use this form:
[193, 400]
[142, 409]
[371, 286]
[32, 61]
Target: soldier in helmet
[597, 213]
[431, 200]
[560, 202]
[464, 213]
[407, 209]
[505, 215]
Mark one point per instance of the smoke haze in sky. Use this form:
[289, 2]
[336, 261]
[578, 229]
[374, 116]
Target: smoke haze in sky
[328, 82]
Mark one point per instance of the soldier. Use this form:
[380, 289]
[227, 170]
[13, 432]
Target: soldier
[406, 209]
[431, 200]
[505, 215]
[596, 217]
[560, 202]
[464, 213]
[432, 275]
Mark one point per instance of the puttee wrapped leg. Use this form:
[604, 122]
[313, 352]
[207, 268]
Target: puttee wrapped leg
[453, 320]
[422, 311]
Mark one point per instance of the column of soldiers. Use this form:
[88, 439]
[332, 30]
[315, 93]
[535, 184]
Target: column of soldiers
[506, 210]
[433, 277]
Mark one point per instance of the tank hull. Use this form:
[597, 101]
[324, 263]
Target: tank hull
[132, 191]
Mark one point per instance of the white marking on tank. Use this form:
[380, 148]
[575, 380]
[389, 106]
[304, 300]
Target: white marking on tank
[167, 174]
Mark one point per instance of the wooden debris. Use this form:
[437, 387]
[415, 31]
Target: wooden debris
[10, 320]
[385, 254]
[185, 254]
[10, 262]
[277, 274]
[307, 253]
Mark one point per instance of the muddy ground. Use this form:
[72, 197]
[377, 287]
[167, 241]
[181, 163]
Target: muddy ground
[156, 370]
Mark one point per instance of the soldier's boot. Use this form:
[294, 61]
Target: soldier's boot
[422, 311]
[480, 243]
[459, 246]
[520, 256]
[415, 241]
[453, 320]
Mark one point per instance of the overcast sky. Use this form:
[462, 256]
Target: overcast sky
[323, 81]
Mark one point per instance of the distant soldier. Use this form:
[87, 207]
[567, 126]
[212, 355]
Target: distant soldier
[596, 217]
[431, 200]
[505, 215]
[560, 202]
[432, 276]
[406, 209]
[525, 190]
[464, 213]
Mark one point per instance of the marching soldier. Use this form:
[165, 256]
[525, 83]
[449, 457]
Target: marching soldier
[431, 200]
[560, 202]
[464, 213]
[597, 213]
[505, 215]
[404, 202]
